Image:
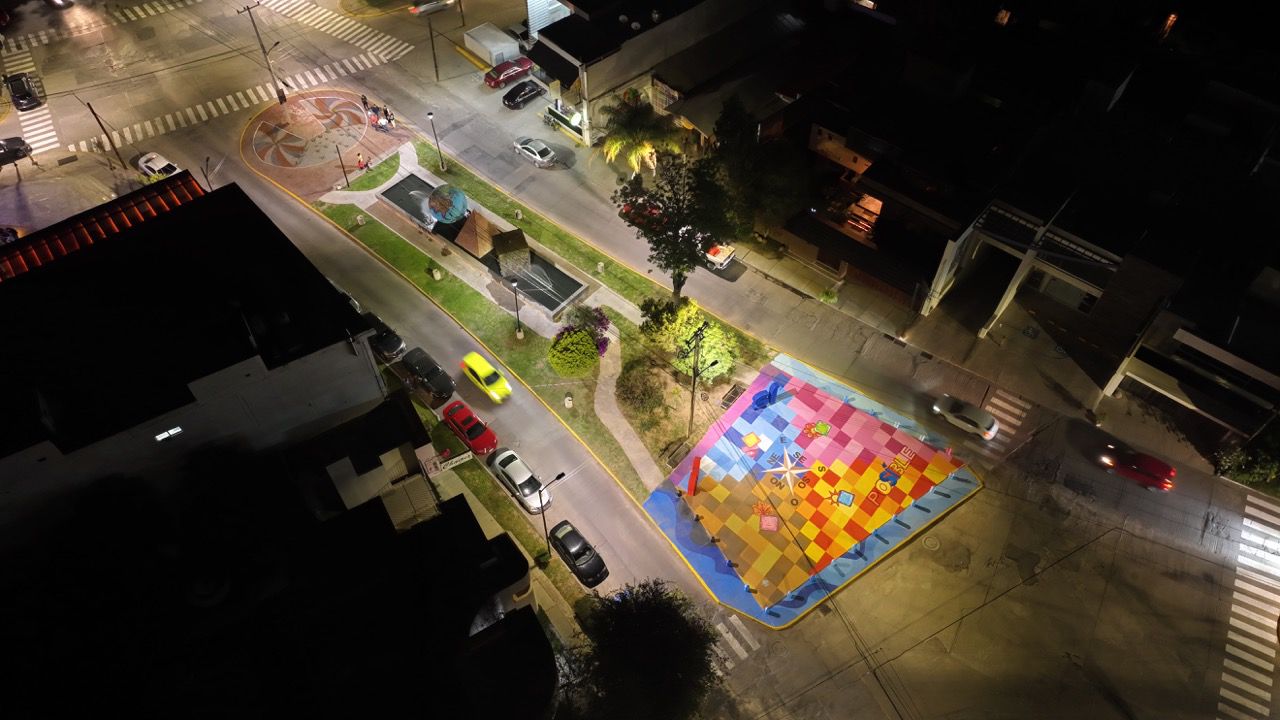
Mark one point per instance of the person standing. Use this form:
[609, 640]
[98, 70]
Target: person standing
[391, 119]
[365, 102]
[359, 161]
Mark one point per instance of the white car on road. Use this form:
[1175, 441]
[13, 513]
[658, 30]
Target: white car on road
[969, 418]
[153, 164]
[519, 480]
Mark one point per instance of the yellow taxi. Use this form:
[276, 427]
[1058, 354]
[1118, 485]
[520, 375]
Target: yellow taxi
[486, 377]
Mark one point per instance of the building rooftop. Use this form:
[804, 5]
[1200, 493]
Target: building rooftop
[595, 29]
[110, 334]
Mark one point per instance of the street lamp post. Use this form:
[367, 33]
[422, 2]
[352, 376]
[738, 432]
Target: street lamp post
[515, 290]
[546, 534]
[431, 117]
[265, 56]
[693, 390]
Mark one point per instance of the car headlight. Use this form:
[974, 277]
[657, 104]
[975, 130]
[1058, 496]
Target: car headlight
[1106, 460]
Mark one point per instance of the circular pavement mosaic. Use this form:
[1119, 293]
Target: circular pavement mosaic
[311, 131]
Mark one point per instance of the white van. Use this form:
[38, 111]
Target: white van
[720, 256]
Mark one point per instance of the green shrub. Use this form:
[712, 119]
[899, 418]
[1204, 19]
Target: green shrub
[638, 389]
[573, 353]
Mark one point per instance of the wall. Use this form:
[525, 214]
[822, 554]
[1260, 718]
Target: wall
[243, 404]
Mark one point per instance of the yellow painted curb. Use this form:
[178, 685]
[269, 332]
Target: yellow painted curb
[472, 58]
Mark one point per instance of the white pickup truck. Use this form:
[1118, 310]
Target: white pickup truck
[720, 256]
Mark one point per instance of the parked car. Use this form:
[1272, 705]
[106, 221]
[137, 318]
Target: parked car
[156, 164]
[23, 91]
[535, 151]
[969, 418]
[1146, 470]
[13, 149]
[719, 256]
[520, 31]
[519, 480]
[428, 374]
[431, 7]
[385, 341]
[508, 72]
[473, 433]
[578, 554]
[520, 95]
[486, 377]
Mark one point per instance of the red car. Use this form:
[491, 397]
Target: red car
[1149, 472]
[474, 434]
[507, 72]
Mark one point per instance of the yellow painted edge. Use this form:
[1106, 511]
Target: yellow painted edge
[472, 58]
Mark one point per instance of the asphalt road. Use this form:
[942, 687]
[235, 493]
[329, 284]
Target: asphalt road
[1058, 591]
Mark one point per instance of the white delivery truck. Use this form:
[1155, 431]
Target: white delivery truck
[491, 44]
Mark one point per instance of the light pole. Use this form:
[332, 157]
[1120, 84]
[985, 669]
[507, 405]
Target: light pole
[693, 391]
[270, 71]
[431, 117]
[546, 534]
[515, 290]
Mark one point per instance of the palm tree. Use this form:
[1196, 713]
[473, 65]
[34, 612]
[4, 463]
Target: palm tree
[637, 132]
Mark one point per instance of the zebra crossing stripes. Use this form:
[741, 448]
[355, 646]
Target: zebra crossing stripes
[1248, 665]
[341, 27]
[37, 124]
[724, 661]
[117, 16]
[224, 105]
[1010, 410]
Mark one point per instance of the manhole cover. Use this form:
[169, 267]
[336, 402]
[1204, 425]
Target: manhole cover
[931, 542]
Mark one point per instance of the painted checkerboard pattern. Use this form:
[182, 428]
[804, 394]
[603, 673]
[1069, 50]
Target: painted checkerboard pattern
[850, 474]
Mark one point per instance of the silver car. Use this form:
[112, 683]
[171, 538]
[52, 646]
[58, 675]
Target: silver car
[535, 151]
[519, 480]
[969, 418]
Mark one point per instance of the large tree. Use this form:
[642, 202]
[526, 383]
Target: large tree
[681, 214]
[650, 656]
[637, 133]
[769, 180]
[672, 327]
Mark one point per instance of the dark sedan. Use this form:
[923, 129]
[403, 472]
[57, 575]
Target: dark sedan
[578, 554]
[428, 374]
[520, 95]
[385, 341]
[23, 91]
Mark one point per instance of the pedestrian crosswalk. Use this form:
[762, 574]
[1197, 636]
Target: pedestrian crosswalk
[341, 27]
[37, 124]
[739, 641]
[1248, 665]
[230, 103]
[1010, 410]
[115, 15]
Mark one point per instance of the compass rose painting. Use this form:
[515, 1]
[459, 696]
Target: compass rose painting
[789, 486]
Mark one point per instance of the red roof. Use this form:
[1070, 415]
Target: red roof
[44, 246]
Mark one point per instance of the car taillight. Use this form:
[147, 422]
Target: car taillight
[1166, 485]
[1173, 472]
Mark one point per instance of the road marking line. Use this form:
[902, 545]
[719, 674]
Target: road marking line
[1234, 713]
[1255, 525]
[742, 630]
[168, 118]
[231, 102]
[736, 646]
[1246, 598]
[1256, 564]
[1253, 630]
[1258, 578]
[1240, 583]
[724, 657]
[1252, 659]
[311, 78]
[192, 115]
[1254, 645]
[127, 139]
[204, 116]
[333, 75]
[1262, 620]
[1265, 543]
[1261, 694]
[1266, 503]
[347, 62]
[243, 100]
[222, 106]
[115, 139]
[1246, 672]
[1243, 701]
[1273, 520]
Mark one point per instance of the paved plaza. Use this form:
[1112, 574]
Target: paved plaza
[801, 486]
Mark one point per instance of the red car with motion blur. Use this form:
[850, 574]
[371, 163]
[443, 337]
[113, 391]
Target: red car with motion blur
[1150, 472]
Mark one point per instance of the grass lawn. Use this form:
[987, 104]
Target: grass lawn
[376, 175]
[496, 329]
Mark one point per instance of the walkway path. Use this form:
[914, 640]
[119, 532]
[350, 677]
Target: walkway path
[611, 415]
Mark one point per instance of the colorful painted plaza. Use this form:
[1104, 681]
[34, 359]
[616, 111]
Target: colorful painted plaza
[798, 488]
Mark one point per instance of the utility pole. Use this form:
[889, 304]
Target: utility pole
[694, 345]
[107, 135]
[274, 83]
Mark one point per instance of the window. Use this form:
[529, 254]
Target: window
[169, 433]
[1003, 16]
